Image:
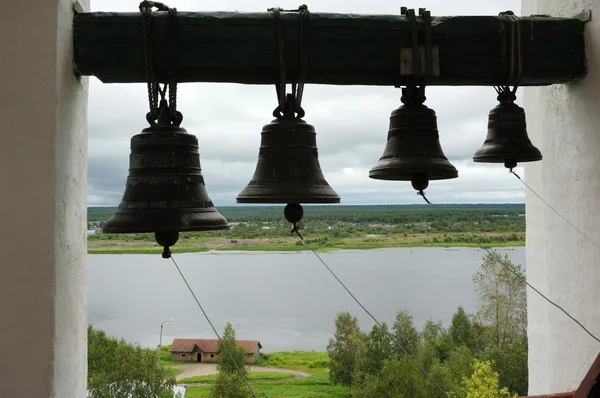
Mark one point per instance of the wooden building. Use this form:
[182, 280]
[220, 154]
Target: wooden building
[207, 350]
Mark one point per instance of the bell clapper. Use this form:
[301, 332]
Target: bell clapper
[420, 182]
[510, 164]
[293, 212]
[166, 240]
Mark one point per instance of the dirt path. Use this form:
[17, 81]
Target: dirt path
[204, 369]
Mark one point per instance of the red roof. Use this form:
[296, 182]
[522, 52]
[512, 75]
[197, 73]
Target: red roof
[211, 345]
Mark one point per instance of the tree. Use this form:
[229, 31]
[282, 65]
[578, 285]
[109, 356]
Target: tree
[229, 385]
[117, 369]
[230, 363]
[460, 366]
[431, 330]
[503, 299]
[461, 329]
[399, 378]
[229, 382]
[406, 335]
[483, 383]
[345, 349]
[511, 364]
[378, 347]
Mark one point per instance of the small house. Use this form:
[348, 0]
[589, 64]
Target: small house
[207, 350]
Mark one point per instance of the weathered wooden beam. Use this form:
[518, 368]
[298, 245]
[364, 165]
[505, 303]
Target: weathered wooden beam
[344, 49]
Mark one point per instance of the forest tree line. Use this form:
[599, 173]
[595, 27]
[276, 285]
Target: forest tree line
[337, 222]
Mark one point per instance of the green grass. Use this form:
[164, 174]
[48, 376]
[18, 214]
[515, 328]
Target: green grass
[317, 385]
[251, 376]
[173, 372]
[125, 247]
[301, 360]
[283, 389]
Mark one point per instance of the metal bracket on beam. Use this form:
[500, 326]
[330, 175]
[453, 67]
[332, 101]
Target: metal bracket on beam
[427, 60]
[584, 16]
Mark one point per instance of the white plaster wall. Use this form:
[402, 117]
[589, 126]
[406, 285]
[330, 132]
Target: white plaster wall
[564, 122]
[43, 148]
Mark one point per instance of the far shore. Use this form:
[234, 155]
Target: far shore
[122, 246]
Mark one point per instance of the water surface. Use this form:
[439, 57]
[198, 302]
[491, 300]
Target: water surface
[287, 300]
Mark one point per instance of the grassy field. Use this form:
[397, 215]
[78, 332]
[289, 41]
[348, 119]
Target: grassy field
[125, 246]
[267, 385]
[251, 376]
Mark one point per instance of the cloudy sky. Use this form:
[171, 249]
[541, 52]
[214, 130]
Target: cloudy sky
[351, 122]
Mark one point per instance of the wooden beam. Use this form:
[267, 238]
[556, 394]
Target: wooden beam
[344, 49]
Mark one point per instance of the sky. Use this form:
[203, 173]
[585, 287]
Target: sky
[351, 122]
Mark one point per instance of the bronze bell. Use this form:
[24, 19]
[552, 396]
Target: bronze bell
[413, 151]
[507, 140]
[165, 191]
[288, 169]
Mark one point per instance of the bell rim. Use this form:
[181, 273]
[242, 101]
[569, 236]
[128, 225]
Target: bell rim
[215, 227]
[408, 177]
[405, 170]
[502, 159]
[160, 222]
[284, 200]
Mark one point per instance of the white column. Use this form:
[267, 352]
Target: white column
[43, 172]
[564, 122]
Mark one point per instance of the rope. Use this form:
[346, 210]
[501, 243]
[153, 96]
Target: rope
[154, 88]
[146, 10]
[421, 193]
[213, 328]
[515, 42]
[175, 116]
[554, 210]
[304, 37]
[280, 86]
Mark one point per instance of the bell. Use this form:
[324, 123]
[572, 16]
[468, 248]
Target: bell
[507, 140]
[165, 191]
[413, 151]
[288, 169]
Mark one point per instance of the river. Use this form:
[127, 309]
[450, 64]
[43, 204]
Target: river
[288, 300]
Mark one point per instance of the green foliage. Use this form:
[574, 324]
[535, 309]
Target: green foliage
[345, 349]
[399, 378]
[406, 334]
[249, 376]
[483, 383]
[117, 369]
[502, 299]
[229, 385]
[378, 348]
[511, 364]
[327, 226]
[461, 329]
[229, 382]
[317, 385]
[432, 330]
[294, 360]
[231, 358]
[483, 356]
[459, 366]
